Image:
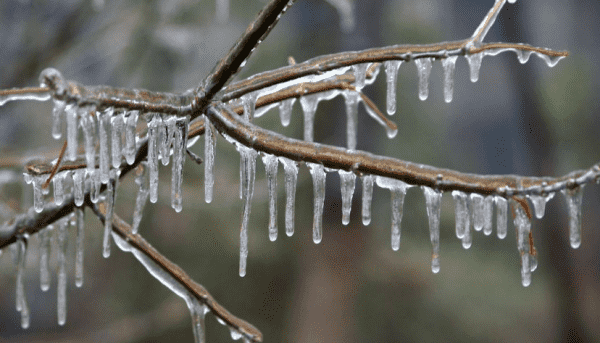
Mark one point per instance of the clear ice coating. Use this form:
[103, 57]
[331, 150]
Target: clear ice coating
[523, 227]
[71, 111]
[317, 171]
[116, 130]
[539, 203]
[424, 70]
[196, 310]
[285, 111]
[271, 162]
[103, 122]
[21, 305]
[398, 191]
[433, 201]
[153, 127]
[367, 196]
[474, 65]
[360, 75]
[57, 111]
[210, 143]
[79, 245]
[391, 70]
[45, 240]
[130, 147]
[574, 197]
[180, 133]
[59, 189]
[351, 118]
[111, 192]
[141, 180]
[88, 123]
[501, 216]
[347, 184]
[309, 107]
[291, 177]
[62, 271]
[461, 212]
[248, 160]
[449, 65]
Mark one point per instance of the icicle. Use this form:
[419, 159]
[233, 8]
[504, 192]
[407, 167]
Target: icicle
[180, 128]
[57, 112]
[317, 172]
[249, 157]
[78, 186]
[95, 185]
[285, 111]
[235, 335]
[153, 127]
[291, 177]
[501, 216]
[309, 107]
[59, 191]
[488, 209]
[79, 246]
[367, 195]
[474, 65]
[38, 192]
[449, 65]
[22, 305]
[352, 98]
[523, 55]
[62, 271]
[210, 144]
[111, 192]
[45, 239]
[271, 163]
[141, 180]
[89, 132]
[574, 197]
[116, 129]
[130, 148]
[424, 69]
[103, 122]
[391, 70]
[197, 312]
[249, 102]
[433, 200]
[539, 203]
[360, 74]
[478, 211]
[168, 139]
[71, 111]
[462, 215]
[397, 191]
[523, 226]
[347, 180]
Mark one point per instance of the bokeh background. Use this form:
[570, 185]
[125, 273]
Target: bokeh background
[518, 119]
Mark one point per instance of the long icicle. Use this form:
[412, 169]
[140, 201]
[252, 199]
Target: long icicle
[271, 162]
[248, 183]
[210, 144]
[62, 271]
[291, 178]
[79, 245]
[317, 171]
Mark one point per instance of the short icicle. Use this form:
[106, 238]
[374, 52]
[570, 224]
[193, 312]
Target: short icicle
[141, 180]
[117, 123]
[79, 245]
[78, 186]
[22, 305]
[347, 184]
[424, 70]
[488, 210]
[45, 244]
[367, 196]
[523, 227]
[271, 162]
[38, 192]
[130, 136]
[360, 75]
[103, 123]
[57, 112]
[197, 311]
[351, 98]
[391, 70]
[62, 271]
[59, 190]
[474, 65]
[153, 127]
[574, 198]
[477, 206]
[317, 171]
[539, 203]
[111, 192]
[397, 191]
[88, 123]
[285, 111]
[462, 216]
[179, 155]
[501, 216]
[210, 143]
[449, 65]
[309, 107]
[433, 201]
[291, 177]
[71, 111]
[248, 182]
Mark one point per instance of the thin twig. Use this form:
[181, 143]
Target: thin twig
[56, 166]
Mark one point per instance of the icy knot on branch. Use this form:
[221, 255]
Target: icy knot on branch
[54, 80]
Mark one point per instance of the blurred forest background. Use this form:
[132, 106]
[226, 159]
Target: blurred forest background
[518, 119]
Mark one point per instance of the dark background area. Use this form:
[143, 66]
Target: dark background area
[517, 119]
